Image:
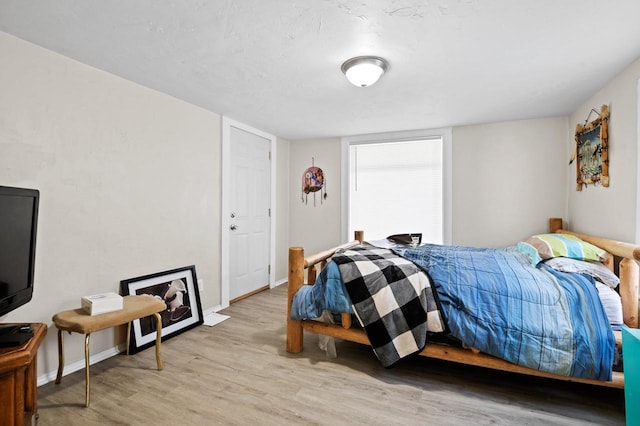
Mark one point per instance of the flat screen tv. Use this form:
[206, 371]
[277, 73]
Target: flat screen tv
[18, 224]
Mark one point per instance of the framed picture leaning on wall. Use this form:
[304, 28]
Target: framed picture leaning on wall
[178, 288]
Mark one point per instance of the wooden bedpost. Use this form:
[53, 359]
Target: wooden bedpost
[629, 291]
[555, 224]
[359, 235]
[311, 275]
[296, 280]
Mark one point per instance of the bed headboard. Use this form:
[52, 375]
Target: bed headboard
[628, 270]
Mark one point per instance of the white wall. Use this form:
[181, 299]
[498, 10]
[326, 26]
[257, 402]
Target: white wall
[610, 212]
[315, 228]
[129, 181]
[508, 180]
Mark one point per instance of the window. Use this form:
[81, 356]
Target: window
[398, 183]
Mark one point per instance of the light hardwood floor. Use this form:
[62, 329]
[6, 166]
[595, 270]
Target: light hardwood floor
[238, 373]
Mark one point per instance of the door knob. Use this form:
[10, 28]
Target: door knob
[233, 227]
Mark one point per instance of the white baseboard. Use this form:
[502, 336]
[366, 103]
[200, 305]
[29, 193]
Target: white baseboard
[79, 365]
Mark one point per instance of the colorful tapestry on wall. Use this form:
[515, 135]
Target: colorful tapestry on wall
[592, 151]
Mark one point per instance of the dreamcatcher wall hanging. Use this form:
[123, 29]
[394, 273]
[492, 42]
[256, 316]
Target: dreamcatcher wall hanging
[313, 180]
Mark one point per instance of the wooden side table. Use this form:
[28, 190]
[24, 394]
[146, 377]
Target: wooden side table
[19, 380]
[78, 321]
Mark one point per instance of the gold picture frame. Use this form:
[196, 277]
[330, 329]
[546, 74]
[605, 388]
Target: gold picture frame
[592, 151]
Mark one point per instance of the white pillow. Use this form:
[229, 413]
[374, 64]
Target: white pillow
[596, 269]
[611, 302]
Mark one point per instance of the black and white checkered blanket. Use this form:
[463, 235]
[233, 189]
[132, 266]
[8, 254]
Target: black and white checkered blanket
[393, 300]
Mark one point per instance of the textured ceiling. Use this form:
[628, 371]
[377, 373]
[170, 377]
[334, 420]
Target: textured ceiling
[275, 64]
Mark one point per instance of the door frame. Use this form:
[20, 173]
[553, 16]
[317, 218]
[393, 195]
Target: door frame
[225, 222]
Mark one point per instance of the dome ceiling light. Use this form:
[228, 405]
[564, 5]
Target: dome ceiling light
[364, 71]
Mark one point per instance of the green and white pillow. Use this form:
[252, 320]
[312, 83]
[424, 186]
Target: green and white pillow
[566, 245]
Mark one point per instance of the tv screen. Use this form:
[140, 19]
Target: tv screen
[18, 223]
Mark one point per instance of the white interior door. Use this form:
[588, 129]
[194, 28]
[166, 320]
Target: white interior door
[249, 212]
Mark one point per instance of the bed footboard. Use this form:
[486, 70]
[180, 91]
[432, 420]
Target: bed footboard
[297, 266]
[296, 280]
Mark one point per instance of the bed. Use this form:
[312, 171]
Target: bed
[622, 258]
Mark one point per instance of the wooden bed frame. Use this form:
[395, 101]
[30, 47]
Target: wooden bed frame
[628, 289]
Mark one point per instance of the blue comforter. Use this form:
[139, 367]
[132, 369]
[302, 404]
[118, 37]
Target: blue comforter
[328, 293]
[495, 301]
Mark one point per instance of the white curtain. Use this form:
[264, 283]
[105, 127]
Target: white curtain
[396, 187]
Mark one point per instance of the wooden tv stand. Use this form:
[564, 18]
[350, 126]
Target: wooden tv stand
[18, 380]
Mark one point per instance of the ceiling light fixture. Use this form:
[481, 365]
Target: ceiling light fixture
[363, 71]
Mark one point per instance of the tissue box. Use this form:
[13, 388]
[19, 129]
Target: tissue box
[102, 303]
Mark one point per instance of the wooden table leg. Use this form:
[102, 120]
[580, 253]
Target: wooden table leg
[86, 368]
[128, 336]
[60, 356]
[158, 339]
